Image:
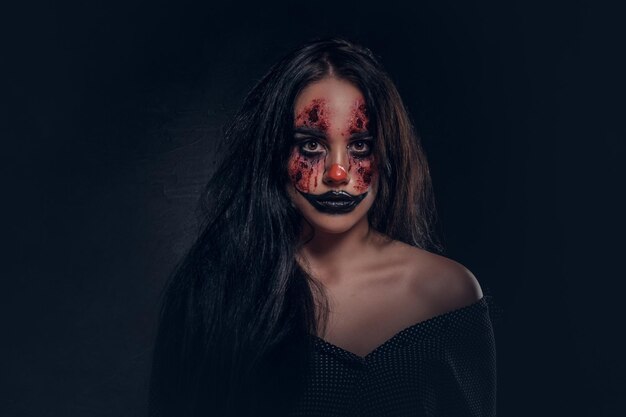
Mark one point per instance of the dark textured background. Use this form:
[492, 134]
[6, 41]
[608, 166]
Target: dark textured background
[114, 110]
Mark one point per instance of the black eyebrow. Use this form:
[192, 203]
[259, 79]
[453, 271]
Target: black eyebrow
[310, 132]
[361, 135]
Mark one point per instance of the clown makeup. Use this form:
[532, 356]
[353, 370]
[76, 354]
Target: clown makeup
[332, 161]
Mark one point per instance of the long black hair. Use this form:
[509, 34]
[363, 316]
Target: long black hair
[239, 310]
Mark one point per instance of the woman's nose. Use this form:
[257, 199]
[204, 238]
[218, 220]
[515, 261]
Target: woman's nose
[336, 174]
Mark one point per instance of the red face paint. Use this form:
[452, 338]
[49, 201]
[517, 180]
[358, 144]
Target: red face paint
[302, 167]
[314, 115]
[359, 120]
[364, 166]
[364, 173]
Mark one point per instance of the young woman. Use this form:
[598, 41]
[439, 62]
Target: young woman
[313, 288]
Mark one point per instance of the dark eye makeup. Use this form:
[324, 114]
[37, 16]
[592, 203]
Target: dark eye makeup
[310, 147]
[313, 147]
[361, 148]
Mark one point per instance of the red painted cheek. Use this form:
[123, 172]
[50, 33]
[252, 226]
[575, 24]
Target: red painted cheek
[365, 170]
[302, 171]
[314, 115]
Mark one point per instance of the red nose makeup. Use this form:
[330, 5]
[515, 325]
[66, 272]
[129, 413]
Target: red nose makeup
[337, 173]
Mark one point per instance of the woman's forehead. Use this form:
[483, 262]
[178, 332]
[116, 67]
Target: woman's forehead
[332, 104]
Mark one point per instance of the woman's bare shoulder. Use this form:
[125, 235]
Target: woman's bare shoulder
[438, 284]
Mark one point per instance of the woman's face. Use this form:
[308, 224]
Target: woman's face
[332, 172]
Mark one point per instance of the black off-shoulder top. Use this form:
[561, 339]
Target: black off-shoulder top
[444, 366]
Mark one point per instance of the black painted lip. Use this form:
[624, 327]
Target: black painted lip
[334, 202]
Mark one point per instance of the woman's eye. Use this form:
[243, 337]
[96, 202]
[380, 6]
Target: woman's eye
[311, 147]
[361, 148]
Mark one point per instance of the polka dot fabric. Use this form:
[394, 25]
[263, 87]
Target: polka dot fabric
[444, 366]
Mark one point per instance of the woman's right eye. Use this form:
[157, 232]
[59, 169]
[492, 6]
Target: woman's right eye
[310, 147]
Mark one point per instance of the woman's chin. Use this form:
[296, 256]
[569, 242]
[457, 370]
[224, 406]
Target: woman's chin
[333, 223]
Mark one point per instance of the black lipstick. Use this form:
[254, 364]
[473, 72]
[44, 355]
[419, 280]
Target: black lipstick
[334, 202]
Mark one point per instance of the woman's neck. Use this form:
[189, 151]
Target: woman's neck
[327, 254]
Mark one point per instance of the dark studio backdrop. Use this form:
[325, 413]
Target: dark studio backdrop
[113, 112]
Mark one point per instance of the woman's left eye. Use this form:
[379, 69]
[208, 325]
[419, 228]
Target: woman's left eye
[361, 148]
